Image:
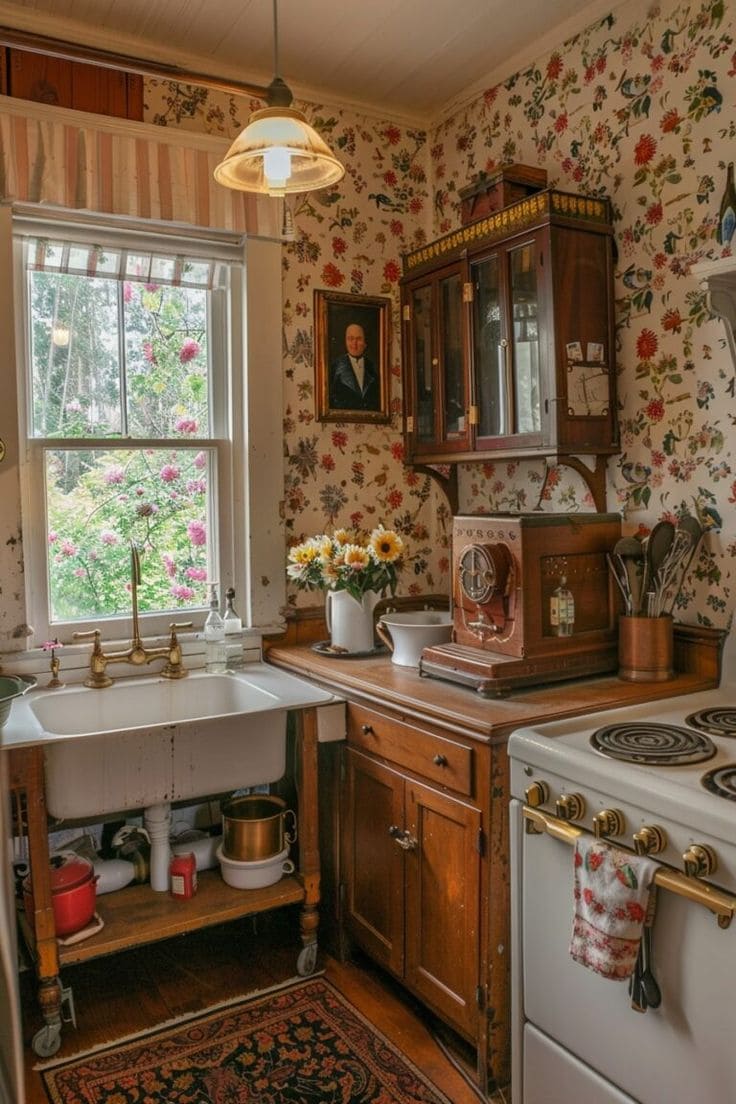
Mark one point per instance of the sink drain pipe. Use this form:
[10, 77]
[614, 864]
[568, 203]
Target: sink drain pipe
[157, 822]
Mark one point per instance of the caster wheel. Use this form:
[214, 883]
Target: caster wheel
[47, 1041]
[307, 960]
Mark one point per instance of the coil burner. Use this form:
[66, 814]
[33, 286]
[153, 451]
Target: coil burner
[718, 721]
[660, 745]
[721, 781]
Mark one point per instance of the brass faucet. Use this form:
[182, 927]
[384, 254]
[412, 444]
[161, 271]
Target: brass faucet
[137, 653]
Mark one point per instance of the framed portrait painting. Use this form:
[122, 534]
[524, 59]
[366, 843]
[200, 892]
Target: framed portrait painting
[351, 355]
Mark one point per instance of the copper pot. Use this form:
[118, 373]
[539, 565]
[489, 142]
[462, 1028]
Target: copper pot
[254, 827]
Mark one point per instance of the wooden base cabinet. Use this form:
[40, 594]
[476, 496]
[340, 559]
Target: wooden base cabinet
[413, 866]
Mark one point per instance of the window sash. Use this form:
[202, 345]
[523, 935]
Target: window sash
[225, 345]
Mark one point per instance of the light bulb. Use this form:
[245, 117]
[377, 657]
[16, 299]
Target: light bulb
[276, 169]
[60, 335]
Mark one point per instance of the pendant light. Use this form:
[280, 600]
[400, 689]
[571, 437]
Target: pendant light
[278, 152]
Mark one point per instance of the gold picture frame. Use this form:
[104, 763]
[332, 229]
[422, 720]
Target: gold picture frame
[351, 340]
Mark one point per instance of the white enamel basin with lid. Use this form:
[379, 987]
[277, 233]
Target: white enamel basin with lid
[146, 741]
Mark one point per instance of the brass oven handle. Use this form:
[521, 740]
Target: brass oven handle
[722, 905]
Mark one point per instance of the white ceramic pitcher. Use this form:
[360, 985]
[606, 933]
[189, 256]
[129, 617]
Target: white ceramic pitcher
[349, 622]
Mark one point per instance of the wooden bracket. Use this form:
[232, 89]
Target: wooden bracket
[445, 480]
[595, 479]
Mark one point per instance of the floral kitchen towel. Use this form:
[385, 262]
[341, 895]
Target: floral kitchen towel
[611, 890]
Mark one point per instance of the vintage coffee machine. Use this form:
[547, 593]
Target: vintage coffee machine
[533, 601]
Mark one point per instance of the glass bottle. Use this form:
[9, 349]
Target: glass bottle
[233, 633]
[233, 624]
[562, 610]
[214, 636]
[727, 213]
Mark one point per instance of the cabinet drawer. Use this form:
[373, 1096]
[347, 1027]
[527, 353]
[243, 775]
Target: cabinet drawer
[434, 757]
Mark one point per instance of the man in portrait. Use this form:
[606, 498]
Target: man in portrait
[354, 383]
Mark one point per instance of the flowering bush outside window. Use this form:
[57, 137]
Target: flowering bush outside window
[121, 406]
[355, 562]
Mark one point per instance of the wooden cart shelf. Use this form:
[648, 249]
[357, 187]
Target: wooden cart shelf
[138, 915]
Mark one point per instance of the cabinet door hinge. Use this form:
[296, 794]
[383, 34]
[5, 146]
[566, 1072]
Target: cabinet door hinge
[468, 292]
[480, 997]
[406, 312]
[410, 425]
[480, 842]
[473, 415]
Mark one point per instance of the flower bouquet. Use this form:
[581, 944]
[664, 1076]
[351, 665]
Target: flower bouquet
[356, 563]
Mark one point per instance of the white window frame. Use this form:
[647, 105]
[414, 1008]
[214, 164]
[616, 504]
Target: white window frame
[251, 532]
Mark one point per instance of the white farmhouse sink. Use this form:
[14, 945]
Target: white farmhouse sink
[146, 741]
[147, 703]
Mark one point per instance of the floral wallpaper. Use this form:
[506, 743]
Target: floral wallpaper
[349, 239]
[638, 106]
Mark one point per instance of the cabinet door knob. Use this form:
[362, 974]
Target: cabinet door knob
[404, 838]
[366, 729]
[440, 760]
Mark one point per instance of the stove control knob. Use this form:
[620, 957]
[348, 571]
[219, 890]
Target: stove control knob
[570, 806]
[609, 822]
[700, 861]
[537, 794]
[650, 840]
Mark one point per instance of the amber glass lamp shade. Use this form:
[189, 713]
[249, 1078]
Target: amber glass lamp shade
[278, 153]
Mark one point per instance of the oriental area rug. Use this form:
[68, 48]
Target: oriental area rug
[302, 1045]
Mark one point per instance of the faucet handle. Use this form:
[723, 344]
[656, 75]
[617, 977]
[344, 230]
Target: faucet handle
[98, 677]
[174, 668]
[179, 625]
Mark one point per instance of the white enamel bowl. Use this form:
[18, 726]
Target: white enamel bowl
[407, 634]
[257, 873]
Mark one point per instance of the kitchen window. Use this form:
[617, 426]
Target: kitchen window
[135, 408]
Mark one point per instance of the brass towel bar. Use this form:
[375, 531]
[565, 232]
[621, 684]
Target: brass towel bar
[723, 905]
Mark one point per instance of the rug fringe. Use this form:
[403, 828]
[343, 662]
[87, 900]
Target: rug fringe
[57, 1060]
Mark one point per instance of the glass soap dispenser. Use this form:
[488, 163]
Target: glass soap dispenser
[214, 636]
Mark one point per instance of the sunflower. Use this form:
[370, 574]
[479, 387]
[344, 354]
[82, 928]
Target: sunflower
[355, 557]
[304, 553]
[385, 545]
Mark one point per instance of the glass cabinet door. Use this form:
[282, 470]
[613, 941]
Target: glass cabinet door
[422, 360]
[451, 360]
[524, 310]
[490, 349]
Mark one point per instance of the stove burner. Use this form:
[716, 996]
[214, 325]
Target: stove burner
[718, 721]
[661, 745]
[721, 781]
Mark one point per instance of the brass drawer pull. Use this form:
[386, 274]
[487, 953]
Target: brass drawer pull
[440, 760]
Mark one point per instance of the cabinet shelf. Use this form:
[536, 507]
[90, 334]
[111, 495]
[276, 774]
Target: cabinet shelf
[137, 914]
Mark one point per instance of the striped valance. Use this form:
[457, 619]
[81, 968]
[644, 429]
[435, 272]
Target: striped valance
[89, 162]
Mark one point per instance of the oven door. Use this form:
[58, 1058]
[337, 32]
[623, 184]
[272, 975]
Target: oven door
[682, 1052]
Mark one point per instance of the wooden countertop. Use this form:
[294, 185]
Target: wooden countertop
[378, 682]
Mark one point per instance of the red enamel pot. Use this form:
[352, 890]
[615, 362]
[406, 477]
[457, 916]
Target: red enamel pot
[73, 892]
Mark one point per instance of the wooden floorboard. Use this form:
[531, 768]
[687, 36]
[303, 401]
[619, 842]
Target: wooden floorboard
[139, 989]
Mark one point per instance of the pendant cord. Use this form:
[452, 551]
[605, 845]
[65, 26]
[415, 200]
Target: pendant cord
[275, 39]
